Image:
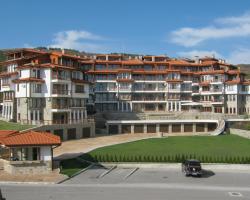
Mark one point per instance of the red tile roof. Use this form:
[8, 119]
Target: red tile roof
[7, 74]
[5, 133]
[23, 80]
[29, 138]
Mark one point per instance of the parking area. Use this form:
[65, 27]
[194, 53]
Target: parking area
[115, 175]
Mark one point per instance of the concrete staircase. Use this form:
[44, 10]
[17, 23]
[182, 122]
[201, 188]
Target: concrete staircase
[220, 128]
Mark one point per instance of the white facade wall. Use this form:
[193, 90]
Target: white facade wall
[25, 73]
[45, 153]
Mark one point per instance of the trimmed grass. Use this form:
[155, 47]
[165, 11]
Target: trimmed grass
[225, 145]
[13, 126]
[71, 166]
[215, 147]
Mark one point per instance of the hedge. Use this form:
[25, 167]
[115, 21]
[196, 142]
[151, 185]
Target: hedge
[170, 158]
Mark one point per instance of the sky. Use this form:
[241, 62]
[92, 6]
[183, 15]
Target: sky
[186, 28]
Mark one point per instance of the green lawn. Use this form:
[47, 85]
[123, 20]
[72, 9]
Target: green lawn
[225, 145]
[71, 166]
[225, 149]
[13, 126]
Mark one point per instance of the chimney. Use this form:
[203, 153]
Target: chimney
[196, 59]
[63, 52]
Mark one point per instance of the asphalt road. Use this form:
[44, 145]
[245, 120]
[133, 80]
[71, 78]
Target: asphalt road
[146, 184]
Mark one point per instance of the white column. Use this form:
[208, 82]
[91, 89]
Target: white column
[157, 128]
[145, 128]
[3, 114]
[34, 114]
[132, 128]
[28, 115]
[38, 115]
[82, 114]
[182, 128]
[85, 114]
[119, 128]
[78, 114]
[8, 112]
[70, 117]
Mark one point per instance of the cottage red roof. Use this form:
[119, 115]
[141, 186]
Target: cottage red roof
[29, 138]
[5, 133]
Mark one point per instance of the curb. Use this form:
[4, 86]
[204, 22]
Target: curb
[212, 166]
[31, 183]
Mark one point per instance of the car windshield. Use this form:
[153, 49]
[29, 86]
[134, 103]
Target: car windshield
[194, 163]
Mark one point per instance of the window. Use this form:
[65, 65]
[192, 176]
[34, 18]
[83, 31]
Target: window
[76, 75]
[124, 76]
[161, 67]
[148, 67]
[37, 88]
[100, 67]
[79, 89]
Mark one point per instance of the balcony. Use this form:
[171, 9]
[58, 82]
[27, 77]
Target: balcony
[57, 77]
[60, 106]
[60, 92]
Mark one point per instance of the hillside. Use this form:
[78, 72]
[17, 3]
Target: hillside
[245, 68]
[2, 57]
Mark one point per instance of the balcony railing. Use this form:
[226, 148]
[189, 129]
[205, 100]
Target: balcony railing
[60, 106]
[60, 77]
[61, 91]
[56, 121]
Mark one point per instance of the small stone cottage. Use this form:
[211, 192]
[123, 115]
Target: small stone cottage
[28, 152]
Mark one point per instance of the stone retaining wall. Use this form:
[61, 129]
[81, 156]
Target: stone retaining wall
[27, 167]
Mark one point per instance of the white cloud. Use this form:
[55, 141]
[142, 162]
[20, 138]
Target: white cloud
[223, 28]
[245, 18]
[239, 56]
[73, 39]
[192, 54]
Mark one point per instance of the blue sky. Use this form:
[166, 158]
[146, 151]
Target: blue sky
[176, 28]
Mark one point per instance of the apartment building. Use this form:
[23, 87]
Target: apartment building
[52, 89]
[162, 84]
[45, 88]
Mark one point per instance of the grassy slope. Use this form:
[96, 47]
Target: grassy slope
[13, 126]
[228, 145]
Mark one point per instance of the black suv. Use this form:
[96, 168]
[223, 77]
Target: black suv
[191, 167]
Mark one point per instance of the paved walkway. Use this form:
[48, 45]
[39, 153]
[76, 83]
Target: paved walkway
[240, 132]
[73, 148]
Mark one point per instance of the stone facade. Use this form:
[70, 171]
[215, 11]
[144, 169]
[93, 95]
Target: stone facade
[27, 167]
